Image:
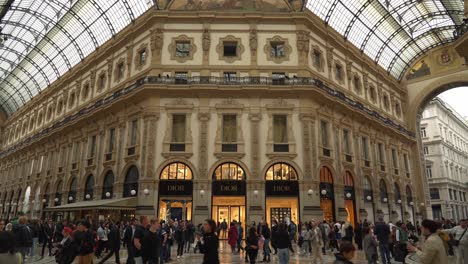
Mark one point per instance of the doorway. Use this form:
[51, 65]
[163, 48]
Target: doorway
[228, 209]
[282, 208]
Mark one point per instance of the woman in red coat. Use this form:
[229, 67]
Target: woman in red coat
[232, 237]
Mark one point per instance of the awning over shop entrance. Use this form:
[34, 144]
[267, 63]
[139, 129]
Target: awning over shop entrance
[107, 204]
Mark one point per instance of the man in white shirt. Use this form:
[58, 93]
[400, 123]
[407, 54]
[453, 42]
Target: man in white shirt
[460, 233]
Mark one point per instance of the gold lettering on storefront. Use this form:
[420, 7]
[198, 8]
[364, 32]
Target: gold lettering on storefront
[176, 188]
[229, 188]
[281, 188]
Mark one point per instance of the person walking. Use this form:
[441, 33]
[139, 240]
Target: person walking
[113, 244]
[382, 231]
[305, 235]
[67, 248]
[8, 253]
[369, 245]
[316, 243]
[85, 240]
[266, 234]
[209, 244]
[401, 239]
[223, 227]
[151, 245]
[140, 233]
[459, 241]
[48, 232]
[358, 235]
[232, 237]
[274, 232]
[180, 238]
[128, 241]
[252, 244]
[283, 243]
[240, 236]
[35, 231]
[23, 235]
[433, 250]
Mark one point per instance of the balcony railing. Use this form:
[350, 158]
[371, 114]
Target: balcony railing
[308, 82]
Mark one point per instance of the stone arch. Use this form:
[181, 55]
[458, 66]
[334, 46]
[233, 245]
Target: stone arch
[123, 173]
[108, 184]
[55, 185]
[227, 160]
[332, 170]
[89, 185]
[293, 164]
[430, 89]
[101, 177]
[180, 160]
[132, 185]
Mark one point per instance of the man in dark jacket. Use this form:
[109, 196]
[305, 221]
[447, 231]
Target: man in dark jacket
[283, 243]
[382, 231]
[47, 232]
[113, 243]
[85, 240]
[23, 236]
[128, 241]
[67, 248]
[266, 233]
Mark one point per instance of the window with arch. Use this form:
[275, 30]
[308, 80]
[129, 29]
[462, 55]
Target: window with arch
[176, 171]
[383, 190]
[58, 194]
[367, 183]
[396, 190]
[229, 171]
[348, 179]
[108, 185]
[72, 191]
[409, 195]
[131, 182]
[281, 172]
[89, 187]
[326, 175]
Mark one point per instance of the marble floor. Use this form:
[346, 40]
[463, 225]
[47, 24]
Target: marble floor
[225, 258]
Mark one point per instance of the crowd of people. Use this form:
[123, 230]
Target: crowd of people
[150, 241]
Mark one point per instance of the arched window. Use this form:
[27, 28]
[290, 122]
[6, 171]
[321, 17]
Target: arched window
[367, 184]
[397, 192]
[131, 182]
[45, 196]
[176, 171]
[348, 179]
[383, 190]
[108, 185]
[89, 187]
[72, 191]
[229, 171]
[281, 172]
[409, 195]
[58, 194]
[326, 175]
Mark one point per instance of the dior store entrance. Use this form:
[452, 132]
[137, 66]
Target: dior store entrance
[228, 200]
[175, 192]
[281, 194]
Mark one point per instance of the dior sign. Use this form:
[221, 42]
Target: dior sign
[282, 188]
[229, 188]
[176, 188]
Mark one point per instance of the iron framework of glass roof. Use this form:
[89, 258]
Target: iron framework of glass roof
[392, 33]
[43, 39]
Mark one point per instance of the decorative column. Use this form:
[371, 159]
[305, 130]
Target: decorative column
[309, 185]
[303, 48]
[206, 43]
[202, 186]
[255, 185]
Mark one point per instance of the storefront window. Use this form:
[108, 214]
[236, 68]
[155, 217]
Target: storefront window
[281, 172]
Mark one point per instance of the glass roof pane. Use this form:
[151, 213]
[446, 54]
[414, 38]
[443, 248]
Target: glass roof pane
[49, 37]
[383, 28]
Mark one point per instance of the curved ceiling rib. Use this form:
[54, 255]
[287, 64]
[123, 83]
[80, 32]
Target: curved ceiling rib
[46, 38]
[392, 33]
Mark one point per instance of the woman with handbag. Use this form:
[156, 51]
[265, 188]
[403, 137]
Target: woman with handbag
[459, 242]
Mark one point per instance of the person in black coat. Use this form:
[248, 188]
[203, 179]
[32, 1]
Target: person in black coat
[252, 244]
[48, 233]
[210, 243]
[274, 239]
[128, 241]
[180, 237]
[67, 248]
[358, 235]
[113, 243]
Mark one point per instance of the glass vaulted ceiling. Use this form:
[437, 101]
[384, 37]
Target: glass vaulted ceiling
[392, 33]
[46, 38]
